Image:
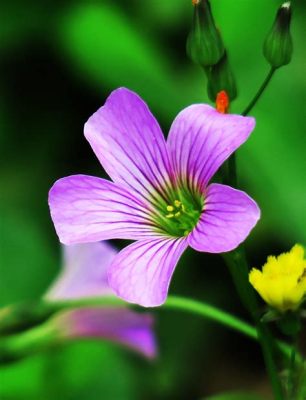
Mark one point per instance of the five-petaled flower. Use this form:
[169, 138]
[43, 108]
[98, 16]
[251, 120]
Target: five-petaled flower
[160, 195]
[84, 275]
[282, 282]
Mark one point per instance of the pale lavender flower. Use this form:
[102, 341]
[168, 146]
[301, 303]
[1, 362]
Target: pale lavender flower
[160, 194]
[84, 276]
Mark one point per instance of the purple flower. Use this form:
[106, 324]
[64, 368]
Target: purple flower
[84, 275]
[160, 194]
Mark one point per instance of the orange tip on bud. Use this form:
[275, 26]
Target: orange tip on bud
[195, 2]
[222, 102]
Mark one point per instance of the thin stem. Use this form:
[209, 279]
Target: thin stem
[238, 267]
[18, 345]
[232, 170]
[291, 376]
[15, 347]
[212, 313]
[209, 312]
[260, 91]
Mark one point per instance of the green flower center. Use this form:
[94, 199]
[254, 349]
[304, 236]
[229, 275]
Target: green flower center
[180, 214]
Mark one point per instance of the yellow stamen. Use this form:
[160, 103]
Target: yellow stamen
[177, 203]
[170, 208]
[170, 215]
[177, 214]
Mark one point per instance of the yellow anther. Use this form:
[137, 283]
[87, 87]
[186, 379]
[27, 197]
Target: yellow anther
[177, 203]
[177, 214]
[170, 208]
[170, 215]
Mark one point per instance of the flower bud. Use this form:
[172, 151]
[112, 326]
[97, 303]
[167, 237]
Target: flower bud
[278, 46]
[204, 43]
[221, 78]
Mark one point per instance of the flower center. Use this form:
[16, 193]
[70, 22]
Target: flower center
[179, 216]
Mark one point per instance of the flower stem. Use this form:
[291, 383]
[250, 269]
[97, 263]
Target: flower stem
[232, 170]
[291, 377]
[238, 266]
[260, 91]
[17, 346]
[212, 313]
[24, 342]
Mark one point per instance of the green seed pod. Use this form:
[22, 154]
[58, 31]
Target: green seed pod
[278, 46]
[204, 43]
[221, 78]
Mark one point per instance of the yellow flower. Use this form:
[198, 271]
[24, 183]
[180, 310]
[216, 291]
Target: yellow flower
[282, 282]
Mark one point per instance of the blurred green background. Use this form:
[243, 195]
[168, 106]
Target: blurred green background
[59, 61]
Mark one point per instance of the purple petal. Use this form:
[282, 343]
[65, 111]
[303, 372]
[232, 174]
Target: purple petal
[228, 217]
[118, 325]
[201, 139]
[88, 209]
[141, 272]
[84, 271]
[129, 143]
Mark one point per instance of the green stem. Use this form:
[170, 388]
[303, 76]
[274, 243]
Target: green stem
[238, 267]
[260, 91]
[19, 345]
[210, 312]
[232, 170]
[291, 377]
[215, 314]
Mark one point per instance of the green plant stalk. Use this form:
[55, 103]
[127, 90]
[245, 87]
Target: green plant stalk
[291, 377]
[231, 164]
[238, 266]
[260, 91]
[210, 312]
[18, 345]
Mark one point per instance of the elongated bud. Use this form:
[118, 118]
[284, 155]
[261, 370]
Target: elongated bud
[278, 46]
[221, 78]
[204, 43]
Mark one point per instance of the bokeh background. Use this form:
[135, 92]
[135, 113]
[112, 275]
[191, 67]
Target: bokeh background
[59, 61]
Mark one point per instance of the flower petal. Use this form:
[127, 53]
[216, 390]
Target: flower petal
[201, 139]
[84, 271]
[228, 217]
[141, 272]
[88, 209]
[119, 325]
[129, 143]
